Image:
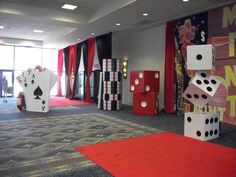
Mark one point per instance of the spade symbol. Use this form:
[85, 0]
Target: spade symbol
[32, 81]
[38, 92]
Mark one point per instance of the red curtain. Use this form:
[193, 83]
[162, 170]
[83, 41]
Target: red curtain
[59, 70]
[71, 70]
[169, 68]
[91, 49]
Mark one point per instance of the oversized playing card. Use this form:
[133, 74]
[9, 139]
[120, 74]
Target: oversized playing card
[36, 90]
[36, 84]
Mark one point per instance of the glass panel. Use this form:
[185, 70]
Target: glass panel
[7, 54]
[6, 84]
[50, 59]
[92, 85]
[54, 89]
[26, 57]
[63, 84]
[17, 87]
[81, 84]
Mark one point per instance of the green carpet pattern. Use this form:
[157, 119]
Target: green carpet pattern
[44, 146]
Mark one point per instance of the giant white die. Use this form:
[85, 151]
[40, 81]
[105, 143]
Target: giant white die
[201, 89]
[203, 126]
[200, 57]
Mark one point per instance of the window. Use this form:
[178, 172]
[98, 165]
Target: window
[27, 57]
[6, 57]
[49, 59]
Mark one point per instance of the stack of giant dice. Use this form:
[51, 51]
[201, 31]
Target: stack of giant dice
[201, 90]
[112, 84]
[145, 86]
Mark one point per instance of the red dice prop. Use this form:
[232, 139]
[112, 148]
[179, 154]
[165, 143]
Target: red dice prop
[145, 81]
[145, 103]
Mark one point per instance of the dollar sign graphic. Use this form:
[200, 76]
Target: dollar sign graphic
[202, 36]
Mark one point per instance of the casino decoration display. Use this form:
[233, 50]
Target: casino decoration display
[145, 86]
[36, 83]
[112, 84]
[203, 89]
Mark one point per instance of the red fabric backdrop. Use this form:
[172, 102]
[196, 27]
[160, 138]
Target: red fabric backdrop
[59, 71]
[169, 68]
[91, 49]
[71, 70]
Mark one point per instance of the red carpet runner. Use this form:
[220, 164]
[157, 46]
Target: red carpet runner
[61, 101]
[163, 155]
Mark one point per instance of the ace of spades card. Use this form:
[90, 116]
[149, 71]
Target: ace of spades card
[37, 92]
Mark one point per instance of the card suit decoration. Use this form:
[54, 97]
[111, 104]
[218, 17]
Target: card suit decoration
[38, 92]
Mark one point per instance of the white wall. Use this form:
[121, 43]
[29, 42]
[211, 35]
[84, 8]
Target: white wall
[145, 50]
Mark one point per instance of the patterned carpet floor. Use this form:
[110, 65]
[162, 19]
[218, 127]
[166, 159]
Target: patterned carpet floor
[44, 146]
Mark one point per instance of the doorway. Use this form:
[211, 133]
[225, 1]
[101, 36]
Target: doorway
[9, 74]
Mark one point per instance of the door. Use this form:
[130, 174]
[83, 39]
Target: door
[10, 78]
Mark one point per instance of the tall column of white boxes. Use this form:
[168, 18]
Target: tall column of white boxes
[112, 84]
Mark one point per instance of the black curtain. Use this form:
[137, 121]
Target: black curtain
[104, 46]
[66, 61]
[78, 53]
[85, 52]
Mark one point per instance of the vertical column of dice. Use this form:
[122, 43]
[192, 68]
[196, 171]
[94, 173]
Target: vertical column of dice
[112, 84]
[145, 87]
[201, 91]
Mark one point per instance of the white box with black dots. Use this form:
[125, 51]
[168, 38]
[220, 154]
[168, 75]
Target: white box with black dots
[200, 57]
[201, 89]
[203, 126]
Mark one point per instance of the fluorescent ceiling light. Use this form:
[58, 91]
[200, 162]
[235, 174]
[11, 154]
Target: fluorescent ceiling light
[38, 31]
[185, 0]
[145, 14]
[117, 24]
[69, 7]
[93, 34]
[1, 27]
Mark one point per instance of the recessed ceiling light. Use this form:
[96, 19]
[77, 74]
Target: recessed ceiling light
[69, 7]
[78, 39]
[38, 31]
[185, 0]
[145, 14]
[117, 24]
[1, 27]
[93, 34]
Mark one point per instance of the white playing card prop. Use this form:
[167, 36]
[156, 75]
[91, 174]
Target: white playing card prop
[36, 84]
[202, 90]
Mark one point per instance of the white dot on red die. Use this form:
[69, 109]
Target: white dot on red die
[143, 104]
[147, 88]
[156, 75]
[132, 88]
[136, 81]
[140, 75]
